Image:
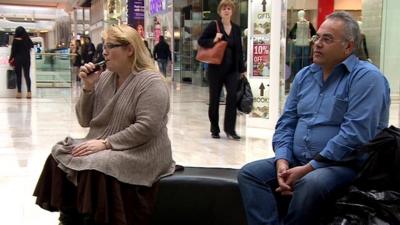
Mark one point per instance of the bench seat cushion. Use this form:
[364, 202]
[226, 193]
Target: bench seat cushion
[200, 196]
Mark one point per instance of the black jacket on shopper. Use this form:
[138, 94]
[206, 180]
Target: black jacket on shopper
[162, 51]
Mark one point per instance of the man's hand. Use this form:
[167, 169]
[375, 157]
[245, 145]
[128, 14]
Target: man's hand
[243, 75]
[281, 167]
[292, 175]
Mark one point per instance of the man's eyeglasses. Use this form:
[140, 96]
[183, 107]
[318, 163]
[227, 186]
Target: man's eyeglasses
[109, 46]
[326, 39]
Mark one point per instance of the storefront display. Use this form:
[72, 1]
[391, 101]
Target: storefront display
[158, 21]
[136, 15]
[157, 6]
[260, 45]
[266, 65]
[116, 12]
[261, 37]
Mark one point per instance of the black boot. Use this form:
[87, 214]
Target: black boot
[70, 217]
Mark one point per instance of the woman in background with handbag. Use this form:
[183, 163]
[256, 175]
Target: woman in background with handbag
[21, 57]
[228, 72]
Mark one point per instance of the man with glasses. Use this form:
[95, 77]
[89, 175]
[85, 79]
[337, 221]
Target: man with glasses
[335, 105]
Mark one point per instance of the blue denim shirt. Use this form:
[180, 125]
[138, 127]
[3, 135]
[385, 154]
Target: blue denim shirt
[333, 117]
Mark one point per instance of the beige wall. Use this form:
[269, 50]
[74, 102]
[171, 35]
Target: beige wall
[96, 11]
[372, 27]
[302, 4]
[348, 4]
[96, 20]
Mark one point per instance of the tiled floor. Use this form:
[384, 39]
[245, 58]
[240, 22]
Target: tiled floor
[29, 128]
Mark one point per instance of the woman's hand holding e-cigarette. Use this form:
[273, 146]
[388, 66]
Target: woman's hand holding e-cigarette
[90, 73]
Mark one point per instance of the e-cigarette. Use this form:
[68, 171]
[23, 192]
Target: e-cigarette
[97, 66]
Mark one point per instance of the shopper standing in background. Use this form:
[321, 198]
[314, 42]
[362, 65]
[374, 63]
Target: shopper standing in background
[228, 72]
[98, 56]
[147, 46]
[162, 53]
[88, 51]
[21, 57]
[76, 58]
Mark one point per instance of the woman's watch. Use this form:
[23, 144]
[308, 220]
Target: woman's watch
[106, 143]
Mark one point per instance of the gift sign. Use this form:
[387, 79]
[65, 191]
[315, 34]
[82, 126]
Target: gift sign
[259, 55]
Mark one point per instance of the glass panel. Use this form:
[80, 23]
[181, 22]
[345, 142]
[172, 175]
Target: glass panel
[191, 17]
[371, 26]
[187, 29]
[390, 56]
[53, 69]
[301, 25]
[284, 71]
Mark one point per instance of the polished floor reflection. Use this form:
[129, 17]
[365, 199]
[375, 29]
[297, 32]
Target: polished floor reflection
[29, 128]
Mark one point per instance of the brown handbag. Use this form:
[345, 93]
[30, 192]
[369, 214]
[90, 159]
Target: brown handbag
[212, 55]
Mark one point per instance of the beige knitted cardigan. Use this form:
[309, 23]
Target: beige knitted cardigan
[133, 118]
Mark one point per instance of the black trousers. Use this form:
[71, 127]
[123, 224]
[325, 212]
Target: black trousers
[216, 81]
[18, 71]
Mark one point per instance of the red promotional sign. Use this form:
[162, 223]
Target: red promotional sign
[260, 59]
[261, 53]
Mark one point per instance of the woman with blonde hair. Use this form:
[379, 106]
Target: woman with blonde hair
[111, 175]
[228, 72]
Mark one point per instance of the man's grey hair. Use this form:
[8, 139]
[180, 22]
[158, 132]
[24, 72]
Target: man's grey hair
[351, 28]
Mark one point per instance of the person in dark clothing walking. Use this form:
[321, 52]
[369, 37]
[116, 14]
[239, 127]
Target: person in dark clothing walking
[162, 53]
[21, 55]
[76, 59]
[98, 55]
[147, 46]
[88, 51]
[228, 72]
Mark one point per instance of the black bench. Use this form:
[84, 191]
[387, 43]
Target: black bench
[200, 196]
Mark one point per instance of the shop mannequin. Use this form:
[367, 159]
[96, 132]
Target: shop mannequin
[301, 34]
[362, 51]
[302, 30]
